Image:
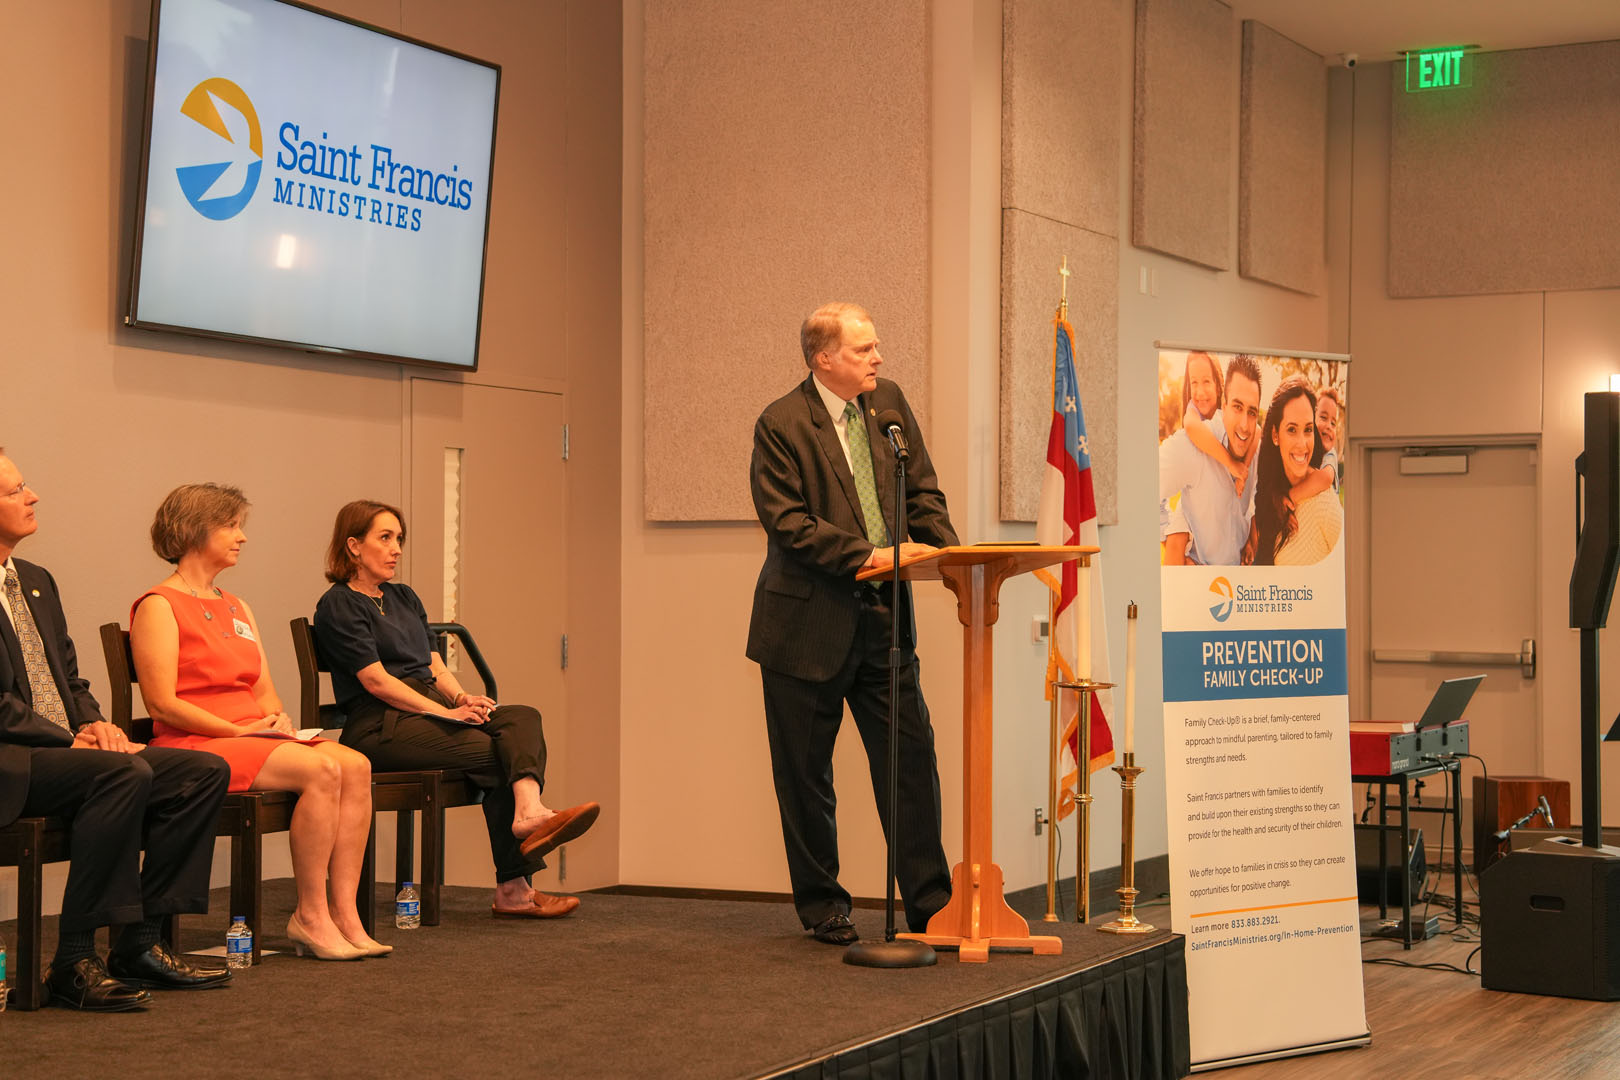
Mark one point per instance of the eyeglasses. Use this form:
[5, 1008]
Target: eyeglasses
[17, 491]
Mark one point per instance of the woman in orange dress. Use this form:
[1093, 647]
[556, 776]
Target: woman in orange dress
[200, 660]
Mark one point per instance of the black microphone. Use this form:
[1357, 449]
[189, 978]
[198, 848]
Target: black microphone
[1546, 812]
[890, 423]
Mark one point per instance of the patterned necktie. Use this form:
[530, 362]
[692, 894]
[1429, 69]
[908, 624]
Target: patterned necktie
[47, 702]
[860, 455]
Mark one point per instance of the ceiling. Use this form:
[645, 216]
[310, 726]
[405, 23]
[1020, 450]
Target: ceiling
[1383, 29]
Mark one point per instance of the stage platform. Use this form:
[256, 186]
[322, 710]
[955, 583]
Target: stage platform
[635, 986]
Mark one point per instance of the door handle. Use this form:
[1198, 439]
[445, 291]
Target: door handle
[1524, 659]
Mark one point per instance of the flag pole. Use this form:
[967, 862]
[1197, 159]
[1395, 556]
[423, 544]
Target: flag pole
[1082, 796]
[1054, 744]
[1054, 748]
[1082, 802]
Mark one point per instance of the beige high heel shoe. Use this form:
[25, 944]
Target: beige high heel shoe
[376, 948]
[301, 941]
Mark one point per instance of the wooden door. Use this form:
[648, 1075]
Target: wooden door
[1453, 569]
[486, 517]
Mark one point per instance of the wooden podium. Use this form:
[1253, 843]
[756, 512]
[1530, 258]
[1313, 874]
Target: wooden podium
[978, 919]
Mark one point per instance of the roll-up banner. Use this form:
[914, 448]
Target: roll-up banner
[1256, 712]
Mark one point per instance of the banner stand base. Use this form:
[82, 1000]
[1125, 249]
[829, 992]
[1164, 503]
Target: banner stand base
[1285, 1052]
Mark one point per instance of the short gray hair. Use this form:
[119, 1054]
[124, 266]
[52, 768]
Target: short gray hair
[824, 327]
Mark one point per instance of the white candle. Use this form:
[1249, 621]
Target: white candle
[1082, 602]
[1130, 679]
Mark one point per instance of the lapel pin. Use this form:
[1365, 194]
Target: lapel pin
[34, 591]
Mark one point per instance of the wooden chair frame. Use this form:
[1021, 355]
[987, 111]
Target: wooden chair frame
[245, 816]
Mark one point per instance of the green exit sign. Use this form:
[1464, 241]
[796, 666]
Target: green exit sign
[1438, 69]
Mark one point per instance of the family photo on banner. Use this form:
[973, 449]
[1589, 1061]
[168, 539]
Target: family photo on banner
[1249, 466]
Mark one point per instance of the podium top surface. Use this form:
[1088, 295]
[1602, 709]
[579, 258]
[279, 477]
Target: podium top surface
[1018, 558]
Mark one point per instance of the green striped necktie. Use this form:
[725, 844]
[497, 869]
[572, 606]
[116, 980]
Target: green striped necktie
[860, 456]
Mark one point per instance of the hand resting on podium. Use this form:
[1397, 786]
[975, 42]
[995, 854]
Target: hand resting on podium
[883, 557]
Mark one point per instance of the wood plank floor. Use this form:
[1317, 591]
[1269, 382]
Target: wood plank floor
[1443, 1024]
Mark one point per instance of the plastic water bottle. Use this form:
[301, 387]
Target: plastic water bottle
[408, 907]
[239, 944]
[3, 993]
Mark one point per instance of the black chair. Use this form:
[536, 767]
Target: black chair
[28, 844]
[246, 816]
[432, 791]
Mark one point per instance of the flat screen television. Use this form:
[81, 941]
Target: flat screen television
[312, 182]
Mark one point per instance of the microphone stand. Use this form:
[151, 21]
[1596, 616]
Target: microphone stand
[1541, 809]
[892, 952]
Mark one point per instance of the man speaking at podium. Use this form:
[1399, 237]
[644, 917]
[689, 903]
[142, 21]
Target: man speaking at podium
[823, 487]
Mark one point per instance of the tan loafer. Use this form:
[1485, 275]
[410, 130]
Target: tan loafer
[540, 906]
[561, 827]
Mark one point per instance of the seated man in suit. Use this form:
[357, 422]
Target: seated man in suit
[60, 758]
[823, 487]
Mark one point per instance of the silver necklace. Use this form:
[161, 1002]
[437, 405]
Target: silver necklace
[192, 590]
[378, 600]
[208, 616]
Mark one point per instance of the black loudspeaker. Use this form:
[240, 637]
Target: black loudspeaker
[1549, 917]
[1396, 862]
[1597, 515]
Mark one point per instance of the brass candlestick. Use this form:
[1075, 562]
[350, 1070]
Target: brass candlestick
[1127, 923]
[1082, 795]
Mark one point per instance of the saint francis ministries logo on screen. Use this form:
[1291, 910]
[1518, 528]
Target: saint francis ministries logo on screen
[221, 189]
[321, 175]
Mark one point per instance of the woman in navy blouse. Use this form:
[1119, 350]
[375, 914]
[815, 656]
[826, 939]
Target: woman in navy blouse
[405, 710]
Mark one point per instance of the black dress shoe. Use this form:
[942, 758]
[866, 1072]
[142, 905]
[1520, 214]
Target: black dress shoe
[86, 985]
[835, 930]
[158, 968]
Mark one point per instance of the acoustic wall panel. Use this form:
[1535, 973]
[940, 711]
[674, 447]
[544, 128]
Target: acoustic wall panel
[1282, 162]
[1032, 250]
[1186, 101]
[786, 163]
[1061, 76]
[1508, 185]
[1060, 100]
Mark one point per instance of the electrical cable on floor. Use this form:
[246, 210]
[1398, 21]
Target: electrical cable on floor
[1390, 961]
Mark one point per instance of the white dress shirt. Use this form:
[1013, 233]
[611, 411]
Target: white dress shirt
[4, 602]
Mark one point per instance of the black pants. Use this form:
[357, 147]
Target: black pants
[507, 747]
[803, 719]
[162, 799]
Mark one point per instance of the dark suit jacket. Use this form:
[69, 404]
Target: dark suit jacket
[807, 602]
[20, 726]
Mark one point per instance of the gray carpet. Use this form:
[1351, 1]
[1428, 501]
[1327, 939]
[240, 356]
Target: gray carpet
[627, 986]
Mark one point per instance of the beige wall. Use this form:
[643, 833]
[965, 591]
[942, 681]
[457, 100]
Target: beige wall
[105, 420]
